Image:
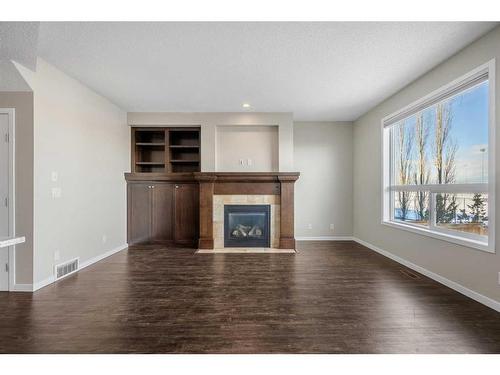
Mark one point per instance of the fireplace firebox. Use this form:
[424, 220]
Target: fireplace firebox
[247, 225]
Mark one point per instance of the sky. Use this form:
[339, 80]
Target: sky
[469, 130]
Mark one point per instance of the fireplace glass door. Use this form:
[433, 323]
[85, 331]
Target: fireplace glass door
[247, 225]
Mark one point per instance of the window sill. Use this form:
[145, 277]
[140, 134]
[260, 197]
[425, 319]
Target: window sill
[442, 236]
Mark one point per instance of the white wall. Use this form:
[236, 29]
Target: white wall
[256, 146]
[474, 269]
[323, 195]
[85, 139]
[211, 121]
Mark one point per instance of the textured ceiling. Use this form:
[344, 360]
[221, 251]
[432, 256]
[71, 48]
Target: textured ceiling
[18, 41]
[319, 71]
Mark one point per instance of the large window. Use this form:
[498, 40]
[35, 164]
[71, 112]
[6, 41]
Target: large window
[439, 163]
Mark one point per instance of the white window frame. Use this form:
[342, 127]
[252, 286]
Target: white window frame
[465, 239]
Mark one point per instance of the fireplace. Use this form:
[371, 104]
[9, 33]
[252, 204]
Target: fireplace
[247, 225]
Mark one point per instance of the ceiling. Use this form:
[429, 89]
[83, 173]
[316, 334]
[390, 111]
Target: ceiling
[18, 41]
[318, 71]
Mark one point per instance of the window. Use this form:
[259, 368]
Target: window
[438, 163]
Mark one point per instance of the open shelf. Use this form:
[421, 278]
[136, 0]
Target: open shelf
[151, 144]
[165, 150]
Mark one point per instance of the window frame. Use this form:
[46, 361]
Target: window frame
[469, 240]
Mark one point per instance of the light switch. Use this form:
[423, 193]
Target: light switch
[54, 176]
[249, 161]
[242, 162]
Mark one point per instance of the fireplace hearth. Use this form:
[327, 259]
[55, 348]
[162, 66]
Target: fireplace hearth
[247, 225]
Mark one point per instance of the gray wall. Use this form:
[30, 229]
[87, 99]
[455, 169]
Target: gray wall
[323, 156]
[474, 269]
[85, 139]
[256, 146]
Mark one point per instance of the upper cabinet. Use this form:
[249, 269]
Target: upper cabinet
[165, 150]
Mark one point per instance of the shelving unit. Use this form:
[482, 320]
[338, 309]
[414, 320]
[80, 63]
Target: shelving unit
[165, 150]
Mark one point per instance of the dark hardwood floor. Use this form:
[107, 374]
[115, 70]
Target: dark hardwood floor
[331, 297]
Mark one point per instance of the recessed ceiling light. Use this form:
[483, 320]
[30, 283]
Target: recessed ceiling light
[246, 105]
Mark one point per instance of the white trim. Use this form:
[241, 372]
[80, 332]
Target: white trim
[11, 241]
[11, 113]
[443, 188]
[102, 256]
[21, 288]
[437, 95]
[51, 279]
[43, 283]
[474, 242]
[487, 301]
[325, 238]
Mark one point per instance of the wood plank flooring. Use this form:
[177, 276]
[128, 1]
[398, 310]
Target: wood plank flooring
[331, 297]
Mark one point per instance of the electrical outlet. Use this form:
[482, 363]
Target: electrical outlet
[332, 227]
[249, 161]
[56, 192]
[309, 226]
[104, 238]
[57, 255]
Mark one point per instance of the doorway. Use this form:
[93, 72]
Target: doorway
[6, 193]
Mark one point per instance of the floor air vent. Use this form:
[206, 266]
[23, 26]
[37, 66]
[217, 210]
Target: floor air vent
[67, 268]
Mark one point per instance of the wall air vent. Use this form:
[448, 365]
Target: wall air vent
[65, 269]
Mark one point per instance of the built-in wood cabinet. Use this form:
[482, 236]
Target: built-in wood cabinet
[162, 212]
[186, 212]
[139, 206]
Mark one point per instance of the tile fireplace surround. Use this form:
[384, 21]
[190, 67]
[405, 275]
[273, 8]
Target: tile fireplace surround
[273, 188]
[221, 200]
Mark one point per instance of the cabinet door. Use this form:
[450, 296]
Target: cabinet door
[186, 212]
[139, 212]
[162, 212]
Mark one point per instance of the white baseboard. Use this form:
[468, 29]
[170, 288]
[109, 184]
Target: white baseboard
[325, 238]
[101, 256]
[51, 279]
[21, 288]
[495, 305]
[40, 284]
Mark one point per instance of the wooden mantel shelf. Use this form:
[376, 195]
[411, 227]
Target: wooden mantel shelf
[215, 176]
[247, 176]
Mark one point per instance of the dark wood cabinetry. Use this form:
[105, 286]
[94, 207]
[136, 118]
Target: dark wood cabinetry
[162, 209]
[139, 212]
[162, 212]
[165, 150]
[186, 212]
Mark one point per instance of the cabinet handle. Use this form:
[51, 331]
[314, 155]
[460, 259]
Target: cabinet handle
[177, 186]
[152, 187]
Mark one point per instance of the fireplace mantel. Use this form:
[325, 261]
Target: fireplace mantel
[247, 183]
